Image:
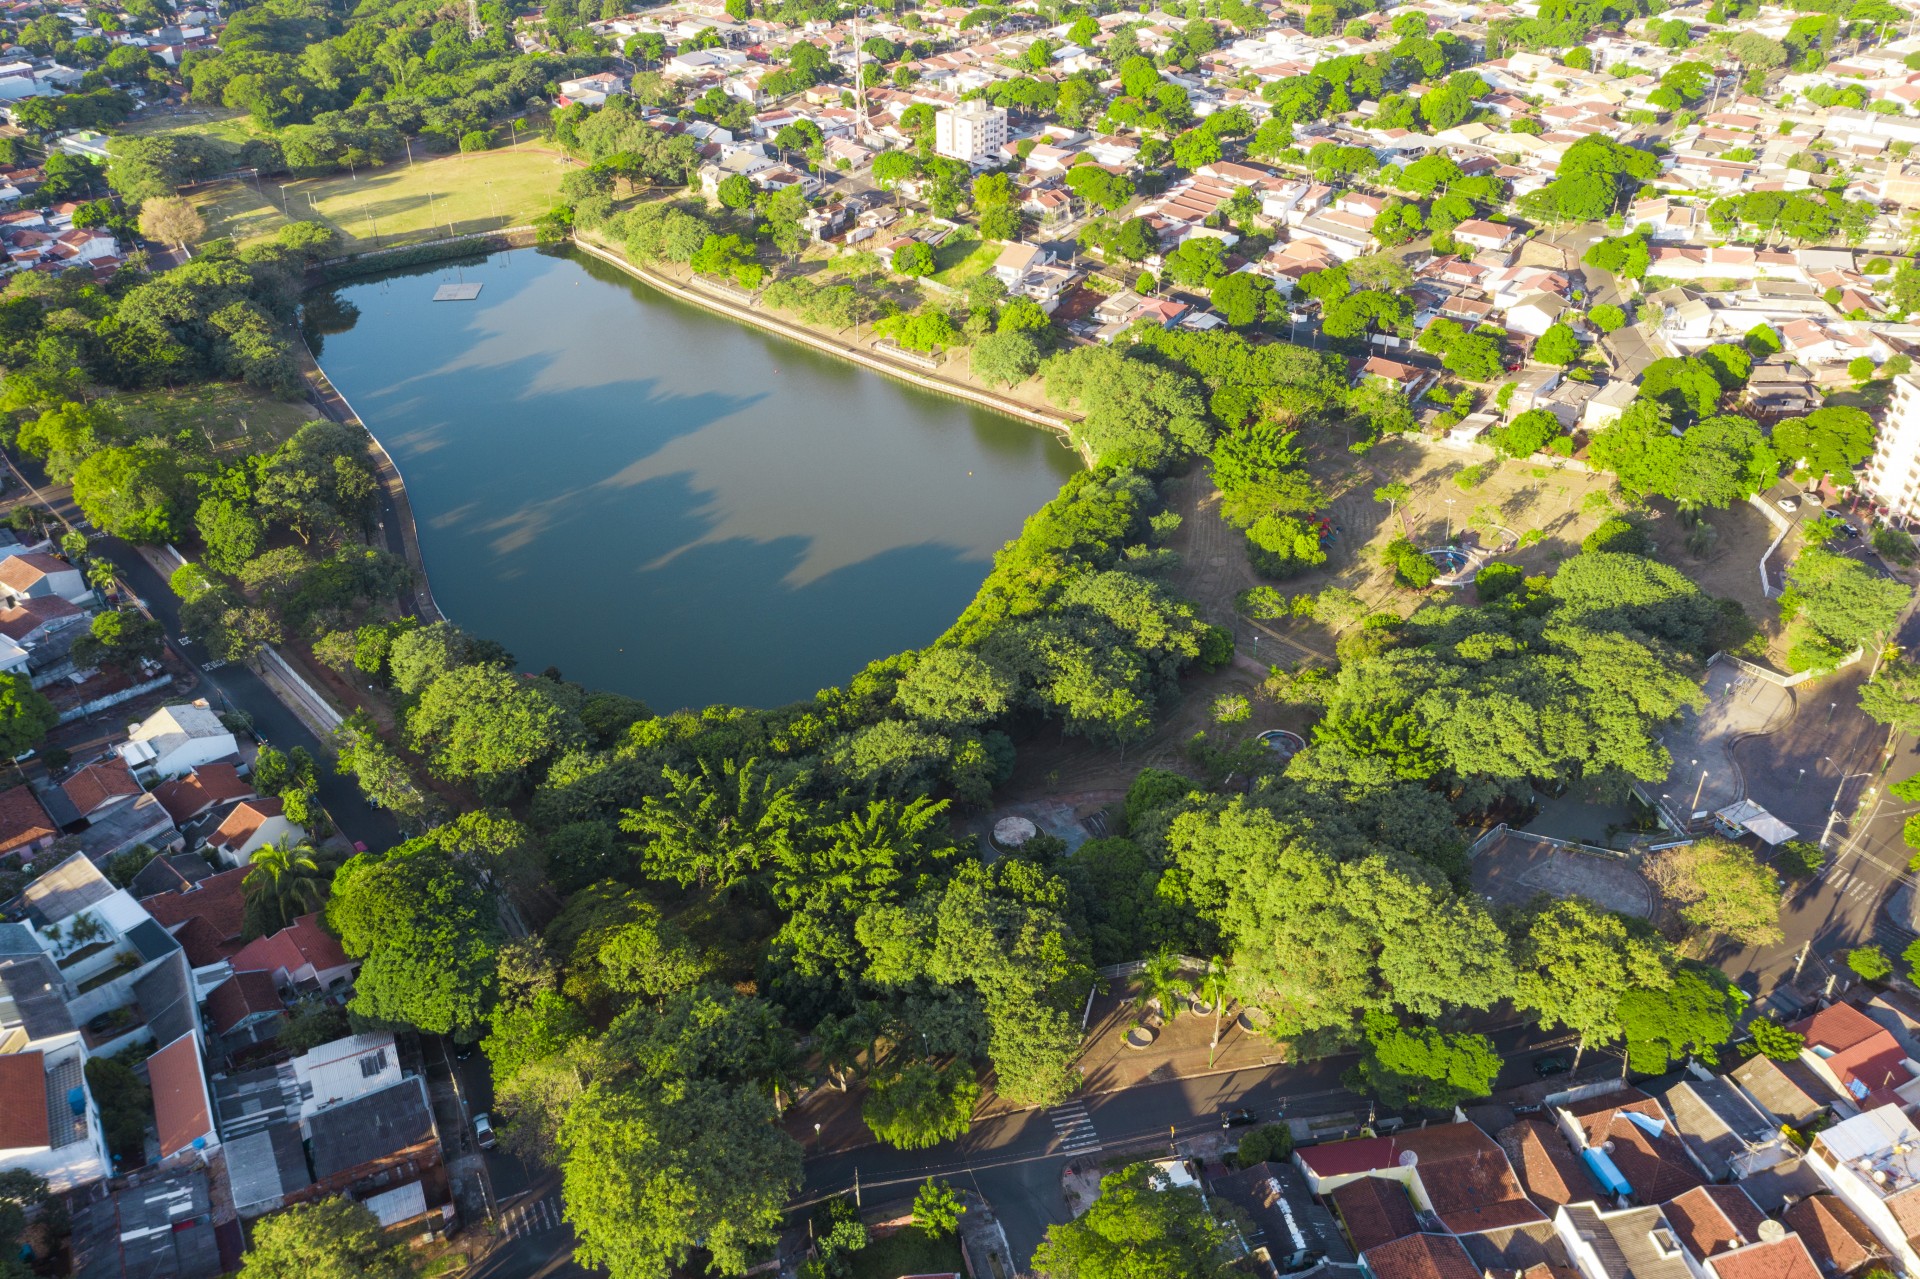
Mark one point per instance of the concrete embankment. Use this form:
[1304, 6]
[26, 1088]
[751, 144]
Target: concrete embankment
[923, 379]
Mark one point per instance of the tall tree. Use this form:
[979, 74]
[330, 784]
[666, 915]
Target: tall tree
[427, 931]
[1138, 1228]
[283, 882]
[326, 1239]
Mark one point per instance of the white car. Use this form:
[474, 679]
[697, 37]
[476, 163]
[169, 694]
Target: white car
[1788, 504]
[483, 1132]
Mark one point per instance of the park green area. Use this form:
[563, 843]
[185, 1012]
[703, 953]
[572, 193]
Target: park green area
[396, 203]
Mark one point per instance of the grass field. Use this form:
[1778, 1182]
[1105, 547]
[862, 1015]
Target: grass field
[398, 203]
[232, 418]
[219, 122]
[963, 257]
[907, 1252]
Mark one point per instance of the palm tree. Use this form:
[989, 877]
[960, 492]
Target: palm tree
[283, 883]
[1214, 990]
[1161, 983]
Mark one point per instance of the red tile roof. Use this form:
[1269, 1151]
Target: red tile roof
[1551, 1173]
[30, 615]
[1782, 1259]
[22, 571]
[303, 942]
[244, 822]
[1468, 1181]
[1423, 1257]
[180, 1105]
[1838, 1027]
[1375, 1211]
[240, 997]
[201, 789]
[1839, 1241]
[215, 900]
[97, 785]
[1656, 1166]
[23, 1101]
[23, 822]
[1343, 1158]
[1714, 1219]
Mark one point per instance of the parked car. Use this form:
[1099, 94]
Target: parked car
[483, 1131]
[1241, 1118]
[1787, 504]
[1555, 1065]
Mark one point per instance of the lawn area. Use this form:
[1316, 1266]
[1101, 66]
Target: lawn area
[232, 418]
[397, 203]
[962, 257]
[219, 122]
[908, 1252]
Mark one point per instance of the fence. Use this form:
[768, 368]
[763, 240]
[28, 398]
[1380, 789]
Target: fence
[1566, 845]
[99, 704]
[1775, 677]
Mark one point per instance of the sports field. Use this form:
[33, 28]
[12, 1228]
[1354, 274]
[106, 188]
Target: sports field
[398, 203]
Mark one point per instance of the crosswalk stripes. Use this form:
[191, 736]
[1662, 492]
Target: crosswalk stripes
[1075, 1127]
[533, 1218]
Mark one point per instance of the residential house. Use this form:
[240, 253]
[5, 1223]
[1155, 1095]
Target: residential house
[242, 1001]
[1420, 1256]
[1550, 1173]
[1872, 1163]
[1858, 1058]
[1629, 1145]
[1728, 1136]
[1841, 1243]
[182, 1106]
[207, 917]
[25, 827]
[153, 1228]
[253, 824]
[1481, 234]
[258, 1113]
[1708, 1220]
[37, 576]
[1630, 1243]
[33, 619]
[590, 91]
[1410, 378]
[302, 956]
[203, 790]
[1290, 1230]
[1786, 1091]
[175, 740]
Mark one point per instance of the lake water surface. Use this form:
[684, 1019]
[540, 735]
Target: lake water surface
[665, 503]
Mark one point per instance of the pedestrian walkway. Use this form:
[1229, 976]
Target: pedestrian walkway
[1075, 1127]
[533, 1218]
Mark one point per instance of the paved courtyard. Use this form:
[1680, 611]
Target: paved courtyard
[1705, 775]
[1512, 869]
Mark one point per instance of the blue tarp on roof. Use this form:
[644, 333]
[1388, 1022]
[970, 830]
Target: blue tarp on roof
[1602, 1166]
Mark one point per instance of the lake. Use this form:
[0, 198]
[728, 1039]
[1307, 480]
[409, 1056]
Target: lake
[665, 503]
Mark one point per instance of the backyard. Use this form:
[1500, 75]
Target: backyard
[397, 203]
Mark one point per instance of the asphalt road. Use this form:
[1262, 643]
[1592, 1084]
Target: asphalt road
[1015, 1161]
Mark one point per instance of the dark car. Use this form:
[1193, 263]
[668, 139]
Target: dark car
[1544, 1066]
[1533, 1109]
[1242, 1118]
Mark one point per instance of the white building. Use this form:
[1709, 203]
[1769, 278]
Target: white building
[175, 740]
[975, 131]
[1892, 475]
[1872, 1162]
